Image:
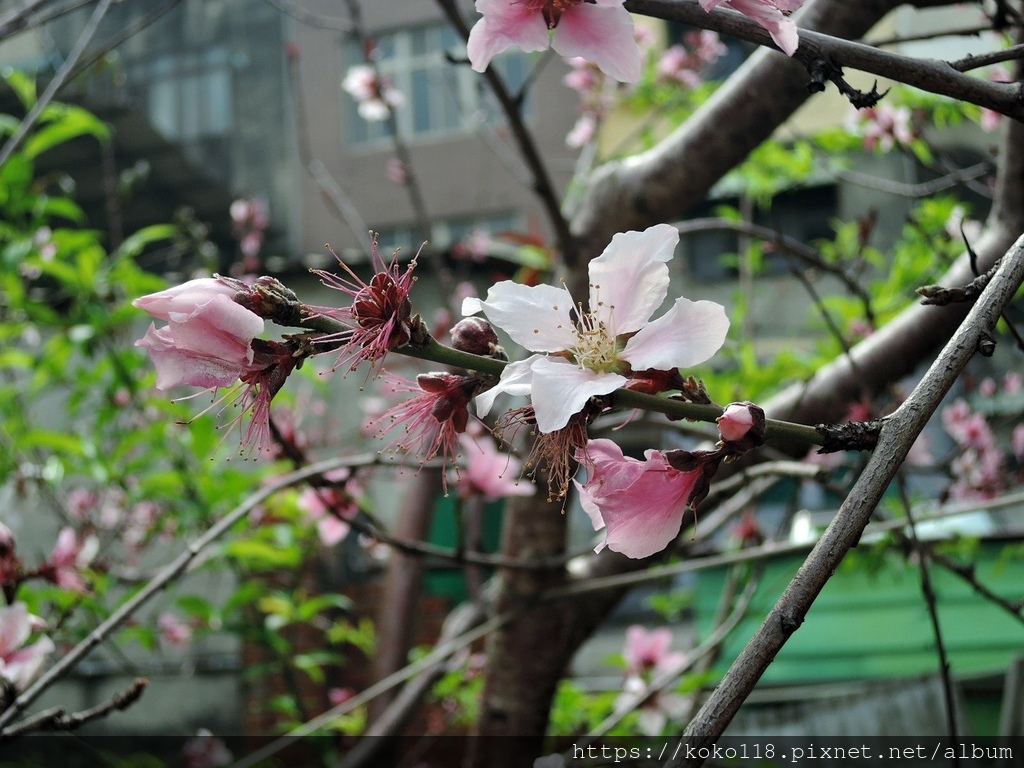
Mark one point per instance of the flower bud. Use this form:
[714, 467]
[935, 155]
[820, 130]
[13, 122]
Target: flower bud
[476, 336]
[742, 426]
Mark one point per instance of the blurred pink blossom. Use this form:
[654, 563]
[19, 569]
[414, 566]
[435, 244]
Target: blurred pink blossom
[1013, 383]
[583, 132]
[1017, 442]
[69, 557]
[331, 506]
[20, 664]
[204, 750]
[647, 657]
[489, 473]
[885, 126]
[376, 96]
[175, 631]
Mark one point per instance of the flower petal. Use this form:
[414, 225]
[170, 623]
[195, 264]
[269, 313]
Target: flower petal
[516, 379]
[15, 627]
[504, 24]
[176, 367]
[536, 317]
[561, 389]
[602, 34]
[184, 297]
[629, 280]
[688, 334]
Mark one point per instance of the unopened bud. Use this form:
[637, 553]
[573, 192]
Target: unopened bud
[476, 336]
[742, 426]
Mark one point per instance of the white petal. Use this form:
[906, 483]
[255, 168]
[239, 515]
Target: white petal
[534, 316]
[471, 305]
[561, 389]
[688, 334]
[629, 281]
[516, 379]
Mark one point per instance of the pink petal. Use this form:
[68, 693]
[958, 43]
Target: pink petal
[688, 334]
[176, 367]
[331, 530]
[629, 280]
[14, 628]
[218, 328]
[561, 389]
[22, 667]
[504, 24]
[782, 30]
[602, 34]
[183, 297]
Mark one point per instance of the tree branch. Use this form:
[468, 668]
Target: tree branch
[898, 434]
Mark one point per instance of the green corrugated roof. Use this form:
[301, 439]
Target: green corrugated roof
[876, 625]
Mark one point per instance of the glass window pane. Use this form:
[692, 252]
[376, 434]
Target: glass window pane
[163, 108]
[421, 122]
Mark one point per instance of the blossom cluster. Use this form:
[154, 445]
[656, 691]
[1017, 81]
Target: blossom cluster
[581, 355]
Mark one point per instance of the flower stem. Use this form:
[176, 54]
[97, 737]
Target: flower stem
[675, 409]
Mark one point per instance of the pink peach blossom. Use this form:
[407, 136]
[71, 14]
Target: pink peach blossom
[70, 556]
[640, 504]
[600, 31]
[174, 630]
[331, 506]
[206, 342]
[489, 473]
[20, 664]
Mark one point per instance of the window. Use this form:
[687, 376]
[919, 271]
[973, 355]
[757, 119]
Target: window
[189, 94]
[440, 97]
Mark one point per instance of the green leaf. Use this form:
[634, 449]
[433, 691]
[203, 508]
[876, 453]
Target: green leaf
[264, 556]
[70, 124]
[135, 243]
[23, 85]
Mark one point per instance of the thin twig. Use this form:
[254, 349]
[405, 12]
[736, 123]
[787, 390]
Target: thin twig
[790, 245]
[928, 592]
[984, 59]
[439, 654]
[29, 121]
[672, 673]
[57, 719]
[543, 187]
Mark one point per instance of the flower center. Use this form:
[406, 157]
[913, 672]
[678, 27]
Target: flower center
[595, 348]
[552, 9]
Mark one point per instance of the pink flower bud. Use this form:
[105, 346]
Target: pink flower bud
[742, 426]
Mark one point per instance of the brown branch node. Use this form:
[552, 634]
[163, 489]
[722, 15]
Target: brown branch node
[852, 436]
[940, 295]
